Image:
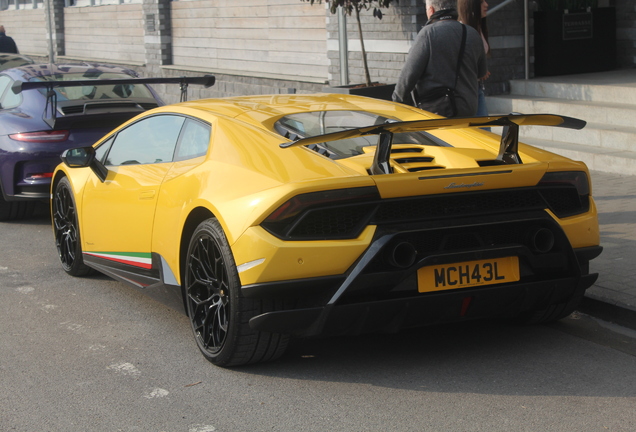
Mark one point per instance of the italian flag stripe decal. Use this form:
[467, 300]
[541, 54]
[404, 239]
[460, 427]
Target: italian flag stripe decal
[137, 259]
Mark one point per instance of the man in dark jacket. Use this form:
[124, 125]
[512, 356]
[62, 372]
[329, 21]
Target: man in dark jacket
[432, 60]
[7, 44]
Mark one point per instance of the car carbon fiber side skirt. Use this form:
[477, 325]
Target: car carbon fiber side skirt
[152, 277]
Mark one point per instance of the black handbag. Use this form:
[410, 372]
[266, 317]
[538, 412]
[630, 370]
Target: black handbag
[442, 100]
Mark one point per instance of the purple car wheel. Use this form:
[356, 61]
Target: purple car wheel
[67, 238]
[11, 210]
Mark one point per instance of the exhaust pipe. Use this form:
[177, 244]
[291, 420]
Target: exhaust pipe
[401, 255]
[541, 240]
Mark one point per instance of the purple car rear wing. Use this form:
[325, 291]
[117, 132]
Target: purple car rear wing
[206, 81]
[118, 115]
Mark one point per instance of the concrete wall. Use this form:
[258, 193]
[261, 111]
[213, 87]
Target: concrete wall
[28, 28]
[266, 46]
[112, 33]
[282, 38]
[506, 38]
[386, 42]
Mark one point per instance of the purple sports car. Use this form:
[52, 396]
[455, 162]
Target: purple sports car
[46, 109]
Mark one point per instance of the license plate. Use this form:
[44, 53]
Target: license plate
[468, 274]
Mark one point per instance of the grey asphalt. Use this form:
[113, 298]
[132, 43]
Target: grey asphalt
[613, 296]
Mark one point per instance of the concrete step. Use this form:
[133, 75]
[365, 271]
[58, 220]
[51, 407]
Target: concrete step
[616, 138]
[605, 100]
[596, 158]
[610, 113]
[610, 87]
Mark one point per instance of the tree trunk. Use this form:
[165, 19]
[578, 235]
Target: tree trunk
[364, 53]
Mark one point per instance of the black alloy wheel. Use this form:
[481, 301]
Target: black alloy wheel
[208, 290]
[219, 315]
[66, 227]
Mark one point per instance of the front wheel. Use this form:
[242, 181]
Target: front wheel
[218, 313]
[12, 210]
[66, 228]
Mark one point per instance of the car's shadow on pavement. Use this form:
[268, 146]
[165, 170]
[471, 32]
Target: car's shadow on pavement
[477, 357]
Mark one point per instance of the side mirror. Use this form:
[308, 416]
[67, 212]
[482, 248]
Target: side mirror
[78, 157]
[82, 157]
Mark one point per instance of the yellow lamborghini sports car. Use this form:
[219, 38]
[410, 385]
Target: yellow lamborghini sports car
[269, 217]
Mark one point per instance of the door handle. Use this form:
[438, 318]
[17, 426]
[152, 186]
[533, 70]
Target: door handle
[148, 194]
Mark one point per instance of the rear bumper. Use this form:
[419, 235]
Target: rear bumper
[426, 309]
[25, 167]
[27, 179]
[374, 296]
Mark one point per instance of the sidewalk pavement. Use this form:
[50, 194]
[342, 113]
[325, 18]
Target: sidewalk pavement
[613, 296]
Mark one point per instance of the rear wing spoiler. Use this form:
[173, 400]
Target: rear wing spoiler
[508, 149]
[50, 109]
[206, 81]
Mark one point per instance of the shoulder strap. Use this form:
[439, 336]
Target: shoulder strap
[461, 54]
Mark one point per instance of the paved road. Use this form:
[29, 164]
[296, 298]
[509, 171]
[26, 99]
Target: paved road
[94, 355]
[615, 197]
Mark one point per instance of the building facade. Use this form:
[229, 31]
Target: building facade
[264, 46]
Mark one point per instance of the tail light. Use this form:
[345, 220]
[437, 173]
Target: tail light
[578, 179]
[339, 213]
[566, 192]
[42, 136]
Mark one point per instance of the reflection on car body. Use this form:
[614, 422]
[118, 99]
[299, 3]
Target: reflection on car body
[269, 217]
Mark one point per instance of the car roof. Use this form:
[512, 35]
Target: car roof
[27, 72]
[263, 110]
[263, 106]
[10, 56]
[9, 60]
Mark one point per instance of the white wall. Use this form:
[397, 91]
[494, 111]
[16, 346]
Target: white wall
[285, 38]
[112, 33]
[27, 27]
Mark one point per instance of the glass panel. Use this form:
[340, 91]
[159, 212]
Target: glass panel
[151, 140]
[5, 81]
[310, 124]
[102, 91]
[9, 99]
[100, 152]
[194, 141]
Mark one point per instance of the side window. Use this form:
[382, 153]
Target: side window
[8, 98]
[5, 82]
[151, 140]
[194, 140]
[103, 148]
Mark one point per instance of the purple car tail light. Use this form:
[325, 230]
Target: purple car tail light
[41, 137]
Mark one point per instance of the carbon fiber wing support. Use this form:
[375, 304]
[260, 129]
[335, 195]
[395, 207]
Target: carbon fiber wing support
[508, 148]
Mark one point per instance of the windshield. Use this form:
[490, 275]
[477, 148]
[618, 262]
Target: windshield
[102, 91]
[303, 125]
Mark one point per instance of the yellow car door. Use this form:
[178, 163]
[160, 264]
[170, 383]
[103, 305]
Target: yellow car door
[118, 214]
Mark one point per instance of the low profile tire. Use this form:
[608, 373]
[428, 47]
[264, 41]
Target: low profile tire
[218, 313]
[12, 210]
[67, 237]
